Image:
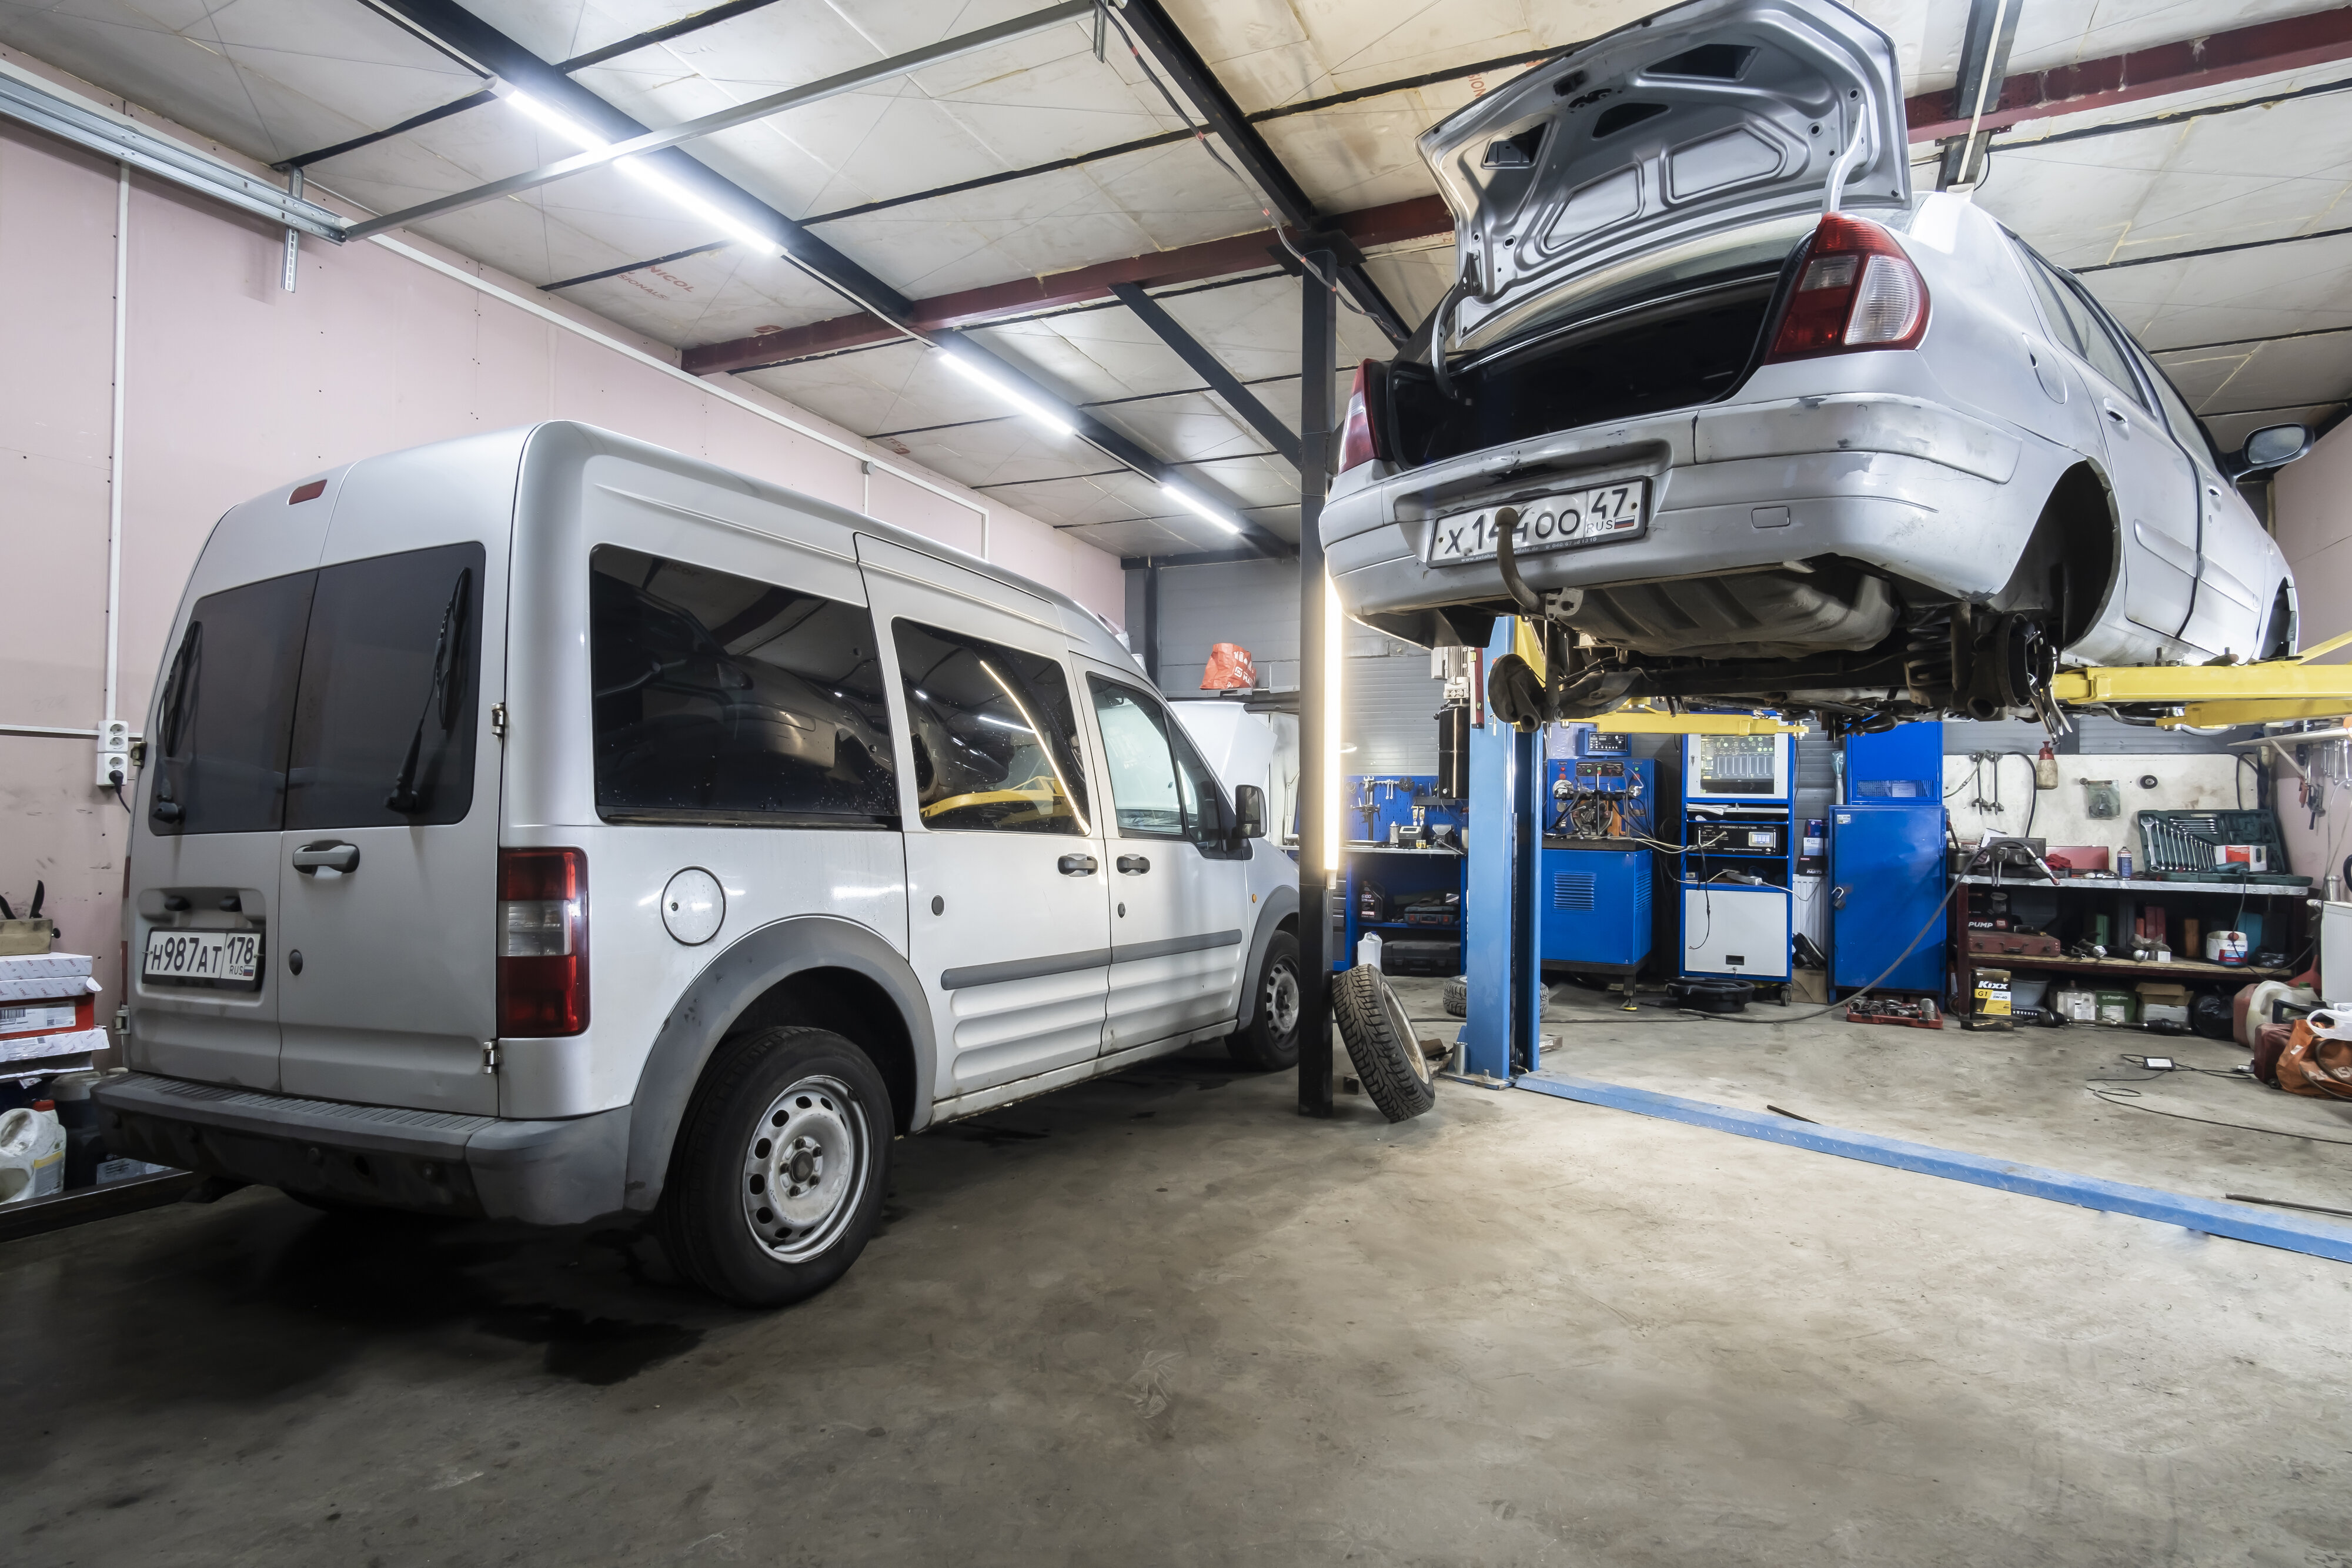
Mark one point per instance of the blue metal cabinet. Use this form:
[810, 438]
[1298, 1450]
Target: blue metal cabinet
[1887, 878]
[1594, 905]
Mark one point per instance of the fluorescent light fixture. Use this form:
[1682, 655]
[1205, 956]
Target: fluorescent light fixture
[1199, 507]
[708, 211]
[1335, 708]
[556, 120]
[562, 124]
[1018, 399]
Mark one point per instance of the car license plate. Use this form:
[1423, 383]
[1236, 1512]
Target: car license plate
[225, 958]
[1556, 522]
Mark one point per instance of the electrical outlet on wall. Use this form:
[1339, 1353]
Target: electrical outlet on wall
[113, 753]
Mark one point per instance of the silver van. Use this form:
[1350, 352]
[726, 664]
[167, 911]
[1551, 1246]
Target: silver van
[542, 825]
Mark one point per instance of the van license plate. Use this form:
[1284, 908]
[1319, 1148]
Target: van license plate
[225, 958]
[1556, 522]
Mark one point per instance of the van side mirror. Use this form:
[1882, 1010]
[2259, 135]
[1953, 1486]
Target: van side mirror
[2272, 447]
[1249, 805]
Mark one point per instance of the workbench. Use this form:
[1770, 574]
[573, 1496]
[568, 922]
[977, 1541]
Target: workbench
[2213, 904]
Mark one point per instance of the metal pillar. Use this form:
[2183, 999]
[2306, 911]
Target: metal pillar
[1501, 962]
[1150, 649]
[1317, 339]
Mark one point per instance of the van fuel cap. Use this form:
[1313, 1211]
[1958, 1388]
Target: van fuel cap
[694, 906]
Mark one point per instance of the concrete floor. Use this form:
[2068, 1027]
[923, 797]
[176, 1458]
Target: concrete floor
[1163, 1320]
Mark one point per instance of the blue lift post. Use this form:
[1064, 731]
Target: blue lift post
[1503, 969]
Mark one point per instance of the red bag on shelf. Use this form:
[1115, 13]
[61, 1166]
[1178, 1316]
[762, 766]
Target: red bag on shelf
[1229, 670]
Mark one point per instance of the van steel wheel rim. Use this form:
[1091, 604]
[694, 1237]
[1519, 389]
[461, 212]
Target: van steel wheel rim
[806, 1168]
[1413, 1055]
[1282, 1004]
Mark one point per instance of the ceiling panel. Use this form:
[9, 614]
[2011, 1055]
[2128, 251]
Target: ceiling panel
[269, 78]
[2263, 375]
[2235, 297]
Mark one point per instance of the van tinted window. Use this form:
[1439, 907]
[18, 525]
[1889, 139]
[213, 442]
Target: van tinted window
[723, 699]
[383, 725]
[220, 726]
[994, 737]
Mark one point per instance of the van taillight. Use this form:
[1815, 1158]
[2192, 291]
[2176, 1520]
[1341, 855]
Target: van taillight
[542, 942]
[1359, 435]
[1858, 290]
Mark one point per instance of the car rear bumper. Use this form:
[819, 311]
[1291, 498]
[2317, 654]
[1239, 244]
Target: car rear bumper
[439, 1162]
[1923, 492]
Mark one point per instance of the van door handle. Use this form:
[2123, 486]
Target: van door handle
[331, 853]
[1078, 865]
[1134, 865]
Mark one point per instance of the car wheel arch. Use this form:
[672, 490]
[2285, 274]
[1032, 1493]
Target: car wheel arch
[2078, 533]
[1279, 912]
[818, 970]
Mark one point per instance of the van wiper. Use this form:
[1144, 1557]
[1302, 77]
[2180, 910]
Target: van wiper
[449, 693]
[179, 689]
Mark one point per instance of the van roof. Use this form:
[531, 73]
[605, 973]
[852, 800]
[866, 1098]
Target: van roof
[571, 441]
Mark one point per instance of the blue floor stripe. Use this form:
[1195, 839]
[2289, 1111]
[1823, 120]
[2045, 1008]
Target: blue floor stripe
[2214, 1218]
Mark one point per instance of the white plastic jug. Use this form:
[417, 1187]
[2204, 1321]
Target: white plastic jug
[32, 1155]
[1368, 950]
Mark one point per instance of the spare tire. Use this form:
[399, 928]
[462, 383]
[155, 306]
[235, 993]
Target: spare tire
[1457, 997]
[1381, 1042]
[1711, 996]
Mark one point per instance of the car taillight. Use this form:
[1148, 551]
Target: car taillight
[1858, 290]
[542, 942]
[1359, 437]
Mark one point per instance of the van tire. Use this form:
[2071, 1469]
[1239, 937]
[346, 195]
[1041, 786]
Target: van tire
[1265, 1046]
[1381, 1042]
[777, 1106]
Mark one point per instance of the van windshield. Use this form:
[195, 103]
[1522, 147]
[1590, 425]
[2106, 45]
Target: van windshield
[344, 697]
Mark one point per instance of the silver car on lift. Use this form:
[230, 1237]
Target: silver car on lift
[1745, 420]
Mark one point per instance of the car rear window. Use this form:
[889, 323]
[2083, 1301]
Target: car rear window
[721, 698]
[222, 726]
[321, 698]
[383, 724]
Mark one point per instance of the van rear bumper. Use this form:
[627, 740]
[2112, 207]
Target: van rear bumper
[436, 1162]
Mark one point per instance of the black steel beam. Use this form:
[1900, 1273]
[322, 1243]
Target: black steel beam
[1984, 65]
[662, 35]
[1216, 107]
[1209, 369]
[1317, 339]
[1189, 557]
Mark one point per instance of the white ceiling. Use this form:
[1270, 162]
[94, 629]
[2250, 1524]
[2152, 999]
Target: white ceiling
[277, 78]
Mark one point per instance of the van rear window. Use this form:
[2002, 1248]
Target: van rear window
[723, 699]
[344, 697]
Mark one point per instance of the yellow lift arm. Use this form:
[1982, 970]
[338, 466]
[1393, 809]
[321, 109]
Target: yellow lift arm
[2210, 697]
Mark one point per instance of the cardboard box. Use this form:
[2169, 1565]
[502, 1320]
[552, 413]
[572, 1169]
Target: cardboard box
[1989, 1008]
[2117, 1007]
[2076, 1005]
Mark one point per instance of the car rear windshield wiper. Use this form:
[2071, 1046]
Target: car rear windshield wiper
[179, 690]
[450, 693]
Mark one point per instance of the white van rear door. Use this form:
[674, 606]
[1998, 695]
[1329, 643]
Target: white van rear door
[387, 867]
[1007, 909]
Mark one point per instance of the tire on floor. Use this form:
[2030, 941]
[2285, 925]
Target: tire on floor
[1457, 997]
[1381, 1042]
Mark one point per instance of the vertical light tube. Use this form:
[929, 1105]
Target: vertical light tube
[1334, 711]
[114, 457]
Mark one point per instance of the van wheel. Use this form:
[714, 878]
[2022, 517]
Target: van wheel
[780, 1168]
[1270, 1043]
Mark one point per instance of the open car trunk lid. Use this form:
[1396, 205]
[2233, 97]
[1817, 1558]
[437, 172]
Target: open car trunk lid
[1709, 116]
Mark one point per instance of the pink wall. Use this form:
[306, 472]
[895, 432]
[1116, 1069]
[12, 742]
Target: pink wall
[233, 387]
[2311, 512]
